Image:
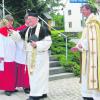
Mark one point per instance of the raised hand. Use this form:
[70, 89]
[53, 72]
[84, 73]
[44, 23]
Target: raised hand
[33, 44]
[74, 49]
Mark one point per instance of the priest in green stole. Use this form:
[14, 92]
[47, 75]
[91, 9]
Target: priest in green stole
[89, 45]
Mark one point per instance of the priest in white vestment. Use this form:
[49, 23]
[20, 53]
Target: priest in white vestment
[37, 42]
[89, 45]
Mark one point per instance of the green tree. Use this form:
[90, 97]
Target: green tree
[91, 1]
[41, 6]
[54, 5]
[93, 5]
[18, 7]
[59, 20]
[38, 6]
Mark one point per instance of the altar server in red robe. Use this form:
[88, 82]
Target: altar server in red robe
[22, 71]
[7, 58]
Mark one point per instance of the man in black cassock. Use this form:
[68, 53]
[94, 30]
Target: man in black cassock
[37, 40]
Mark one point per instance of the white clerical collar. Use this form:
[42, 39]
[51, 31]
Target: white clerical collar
[38, 25]
[90, 16]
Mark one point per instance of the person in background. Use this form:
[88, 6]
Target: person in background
[89, 45]
[22, 71]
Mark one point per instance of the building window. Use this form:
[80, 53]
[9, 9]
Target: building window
[70, 24]
[69, 12]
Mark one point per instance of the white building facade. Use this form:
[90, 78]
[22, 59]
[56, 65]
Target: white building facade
[73, 17]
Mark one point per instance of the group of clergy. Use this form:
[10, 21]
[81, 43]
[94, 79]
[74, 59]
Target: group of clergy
[24, 57]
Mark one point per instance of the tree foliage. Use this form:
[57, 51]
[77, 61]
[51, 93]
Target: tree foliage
[54, 5]
[91, 1]
[93, 5]
[59, 20]
[18, 7]
[38, 6]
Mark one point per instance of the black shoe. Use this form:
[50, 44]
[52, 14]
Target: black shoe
[36, 98]
[33, 98]
[15, 91]
[27, 90]
[8, 93]
[88, 98]
[44, 96]
[30, 98]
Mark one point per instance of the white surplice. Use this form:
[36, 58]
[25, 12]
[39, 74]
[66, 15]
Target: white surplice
[7, 48]
[20, 52]
[8, 70]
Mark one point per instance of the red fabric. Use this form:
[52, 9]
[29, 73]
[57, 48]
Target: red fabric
[8, 77]
[4, 30]
[22, 76]
[21, 27]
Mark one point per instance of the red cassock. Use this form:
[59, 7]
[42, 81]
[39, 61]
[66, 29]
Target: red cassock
[22, 70]
[21, 27]
[7, 51]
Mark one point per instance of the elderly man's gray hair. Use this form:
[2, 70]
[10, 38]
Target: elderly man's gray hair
[9, 18]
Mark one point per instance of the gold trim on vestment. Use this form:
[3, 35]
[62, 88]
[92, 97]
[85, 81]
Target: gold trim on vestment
[91, 57]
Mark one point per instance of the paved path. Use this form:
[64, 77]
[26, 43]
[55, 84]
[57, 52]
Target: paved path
[64, 89]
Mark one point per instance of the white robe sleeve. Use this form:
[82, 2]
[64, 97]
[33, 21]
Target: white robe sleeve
[84, 44]
[83, 41]
[44, 44]
[15, 36]
[1, 46]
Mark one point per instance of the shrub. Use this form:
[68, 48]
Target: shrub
[76, 69]
[69, 65]
[58, 48]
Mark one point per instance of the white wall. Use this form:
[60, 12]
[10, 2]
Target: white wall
[75, 17]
